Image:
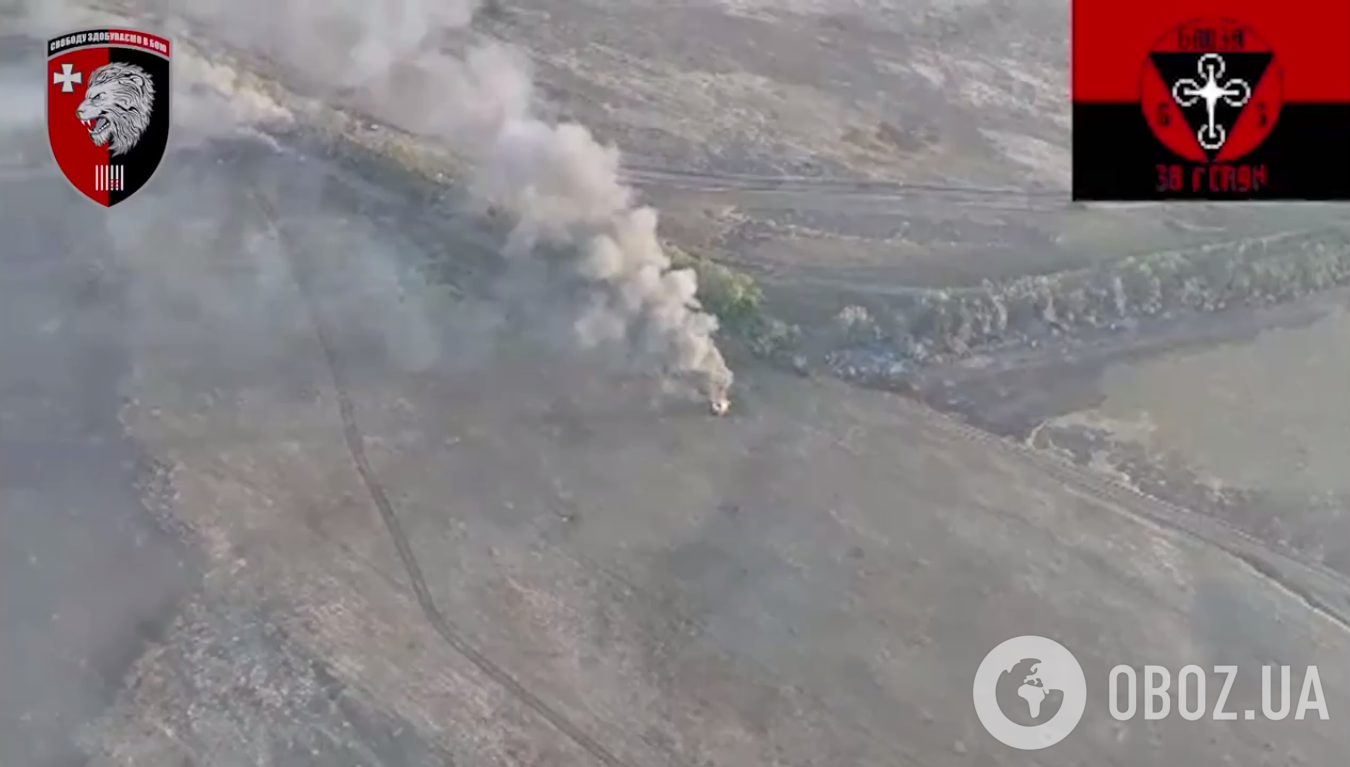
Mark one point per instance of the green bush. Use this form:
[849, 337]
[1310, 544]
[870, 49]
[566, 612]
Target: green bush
[731, 296]
[1204, 279]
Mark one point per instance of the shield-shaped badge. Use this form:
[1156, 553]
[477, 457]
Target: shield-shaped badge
[108, 109]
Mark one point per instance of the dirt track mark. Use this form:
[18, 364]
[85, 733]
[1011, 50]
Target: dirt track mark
[637, 171]
[844, 190]
[1294, 575]
[356, 447]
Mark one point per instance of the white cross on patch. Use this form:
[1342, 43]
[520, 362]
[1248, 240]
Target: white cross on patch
[67, 78]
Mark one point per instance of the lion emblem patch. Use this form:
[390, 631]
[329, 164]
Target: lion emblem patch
[108, 109]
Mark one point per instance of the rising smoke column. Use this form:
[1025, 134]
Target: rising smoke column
[561, 187]
[557, 184]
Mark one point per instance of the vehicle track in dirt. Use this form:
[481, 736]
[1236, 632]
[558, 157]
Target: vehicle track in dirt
[379, 497]
[646, 173]
[1313, 583]
[1321, 590]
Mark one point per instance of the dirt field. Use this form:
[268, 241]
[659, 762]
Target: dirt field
[382, 528]
[957, 99]
[811, 581]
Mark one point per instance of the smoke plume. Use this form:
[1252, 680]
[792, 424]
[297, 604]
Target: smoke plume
[557, 184]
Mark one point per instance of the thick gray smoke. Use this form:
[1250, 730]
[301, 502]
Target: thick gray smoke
[557, 184]
[562, 187]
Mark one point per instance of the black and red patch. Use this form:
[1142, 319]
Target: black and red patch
[82, 100]
[1210, 99]
[1211, 90]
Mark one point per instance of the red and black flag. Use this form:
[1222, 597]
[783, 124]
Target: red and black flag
[108, 109]
[1211, 99]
